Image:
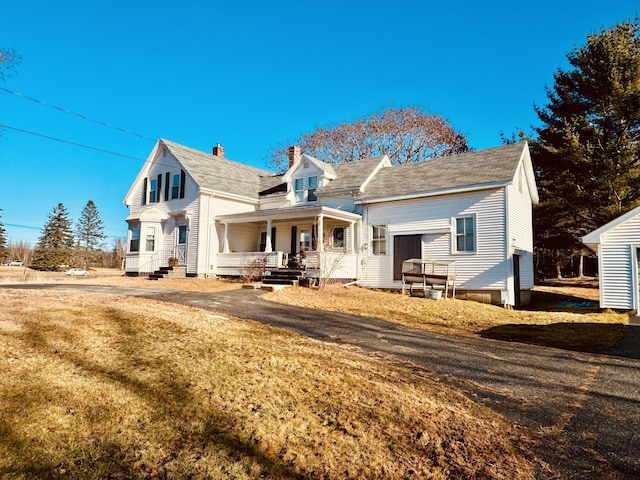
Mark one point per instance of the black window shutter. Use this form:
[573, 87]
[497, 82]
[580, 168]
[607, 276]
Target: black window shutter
[159, 188]
[167, 177]
[182, 182]
[144, 192]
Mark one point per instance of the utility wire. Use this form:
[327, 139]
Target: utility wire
[71, 143]
[79, 115]
[107, 151]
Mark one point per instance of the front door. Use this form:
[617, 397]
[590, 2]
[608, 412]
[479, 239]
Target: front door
[181, 245]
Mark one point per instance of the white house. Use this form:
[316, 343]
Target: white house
[618, 247]
[363, 218]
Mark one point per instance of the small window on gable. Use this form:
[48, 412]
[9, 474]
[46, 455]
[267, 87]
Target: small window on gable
[379, 240]
[175, 186]
[465, 238]
[153, 190]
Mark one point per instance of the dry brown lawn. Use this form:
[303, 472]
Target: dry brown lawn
[94, 387]
[564, 328]
[109, 276]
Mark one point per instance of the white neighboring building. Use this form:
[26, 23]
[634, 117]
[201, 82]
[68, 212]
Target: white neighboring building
[618, 247]
[213, 215]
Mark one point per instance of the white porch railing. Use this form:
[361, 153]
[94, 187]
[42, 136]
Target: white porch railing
[234, 263]
[145, 264]
[325, 264]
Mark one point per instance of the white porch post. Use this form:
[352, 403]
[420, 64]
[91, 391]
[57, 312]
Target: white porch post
[225, 242]
[267, 245]
[352, 238]
[320, 233]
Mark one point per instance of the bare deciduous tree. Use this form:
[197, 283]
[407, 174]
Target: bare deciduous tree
[406, 135]
[8, 60]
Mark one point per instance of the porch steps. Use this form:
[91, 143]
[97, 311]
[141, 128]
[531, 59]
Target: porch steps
[169, 272]
[283, 276]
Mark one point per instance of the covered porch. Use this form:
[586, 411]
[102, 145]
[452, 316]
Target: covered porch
[318, 239]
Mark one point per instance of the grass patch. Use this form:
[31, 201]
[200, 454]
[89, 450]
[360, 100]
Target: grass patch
[94, 386]
[466, 317]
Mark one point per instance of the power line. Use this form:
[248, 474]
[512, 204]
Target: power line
[48, 137]
[71, 143]
[79, 115]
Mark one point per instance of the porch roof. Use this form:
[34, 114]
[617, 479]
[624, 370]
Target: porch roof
[305, 211]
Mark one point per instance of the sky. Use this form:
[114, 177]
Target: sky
[117, 75]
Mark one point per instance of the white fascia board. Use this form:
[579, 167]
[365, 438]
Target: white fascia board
[435, 193]
[325, 168]
[594, 238]
[142, 172]
[525, 159]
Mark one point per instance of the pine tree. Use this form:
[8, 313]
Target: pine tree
[55, 245]
[89, 234]
[3, 242]
[587, 152]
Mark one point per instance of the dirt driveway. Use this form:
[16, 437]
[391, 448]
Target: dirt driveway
[582, 409]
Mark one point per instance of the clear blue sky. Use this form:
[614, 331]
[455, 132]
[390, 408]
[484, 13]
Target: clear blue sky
[252, 74]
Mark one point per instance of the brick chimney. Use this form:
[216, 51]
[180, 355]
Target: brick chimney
[218, 151]
[294, 154]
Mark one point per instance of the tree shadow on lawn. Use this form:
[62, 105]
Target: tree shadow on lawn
[590, 337]
[611, 339]
[557, 302]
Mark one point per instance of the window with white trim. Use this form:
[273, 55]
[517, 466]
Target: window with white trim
[134, 242]
[337, 238]
[379, 240]
[305, 189]
[298, 186]
[465, 237]
[175, 186]
[153, 190]
[151, 239]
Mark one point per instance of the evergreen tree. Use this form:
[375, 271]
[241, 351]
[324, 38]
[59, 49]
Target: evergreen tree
[89, 234]
[587, 152]
[55, 245]
[3, 242]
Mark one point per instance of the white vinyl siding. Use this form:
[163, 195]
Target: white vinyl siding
[520, 215]
[617, 266]
[432, 218]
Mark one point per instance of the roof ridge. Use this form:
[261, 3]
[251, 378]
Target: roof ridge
[235, 163]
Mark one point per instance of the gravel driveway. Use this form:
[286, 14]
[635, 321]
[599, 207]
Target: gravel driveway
[583, 409]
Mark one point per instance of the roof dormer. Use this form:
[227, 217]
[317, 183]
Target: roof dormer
[305, 175]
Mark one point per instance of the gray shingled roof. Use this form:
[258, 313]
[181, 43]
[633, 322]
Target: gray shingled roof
[351, 175]
[217, 173]
[485, 167]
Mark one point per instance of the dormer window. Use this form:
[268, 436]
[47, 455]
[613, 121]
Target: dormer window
[311, 193]
[298, 186]
[305, 189]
